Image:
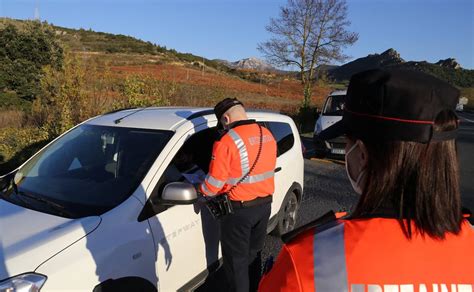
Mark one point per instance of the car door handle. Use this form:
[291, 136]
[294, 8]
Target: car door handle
[277, 169]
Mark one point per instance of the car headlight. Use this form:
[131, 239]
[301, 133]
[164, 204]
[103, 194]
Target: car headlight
[30, 282]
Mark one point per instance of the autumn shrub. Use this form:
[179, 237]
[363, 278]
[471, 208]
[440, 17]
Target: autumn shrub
[60, 104]
[11, 118]
[11, 101]
[143, 91]
[18, 144]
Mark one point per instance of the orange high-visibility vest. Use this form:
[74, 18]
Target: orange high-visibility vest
[233, 156]
[373, 255]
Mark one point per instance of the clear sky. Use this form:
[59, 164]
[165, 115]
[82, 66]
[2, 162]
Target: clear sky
[231, 29]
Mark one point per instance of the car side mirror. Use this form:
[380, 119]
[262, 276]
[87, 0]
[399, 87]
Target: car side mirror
[178, 193]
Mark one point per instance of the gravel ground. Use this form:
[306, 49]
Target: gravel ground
[326, 188]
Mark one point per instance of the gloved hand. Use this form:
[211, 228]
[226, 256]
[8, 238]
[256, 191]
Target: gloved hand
[197, 186]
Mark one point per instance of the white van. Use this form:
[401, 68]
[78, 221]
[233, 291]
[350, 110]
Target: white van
[331, 113]
[104, 207]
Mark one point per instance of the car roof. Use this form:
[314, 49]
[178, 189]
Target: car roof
[164, 118]
[339, 92]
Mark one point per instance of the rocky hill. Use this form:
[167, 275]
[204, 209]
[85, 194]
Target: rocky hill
[387, 58]
[252, 64]
[448, 69]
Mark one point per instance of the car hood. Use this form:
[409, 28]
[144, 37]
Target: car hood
[327, 121]
[28, 238]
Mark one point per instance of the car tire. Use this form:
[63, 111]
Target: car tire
[287, 214]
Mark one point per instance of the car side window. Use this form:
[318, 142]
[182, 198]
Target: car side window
[191, 162]
[283, 136]
[182, 163]
[334, 105]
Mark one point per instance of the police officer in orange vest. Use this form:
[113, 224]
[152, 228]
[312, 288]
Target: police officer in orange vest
[408, 231]
[242, 167]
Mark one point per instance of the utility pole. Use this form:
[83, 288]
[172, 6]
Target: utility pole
[37, 12]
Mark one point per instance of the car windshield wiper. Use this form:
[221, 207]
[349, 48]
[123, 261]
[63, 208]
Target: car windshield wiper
[59, 209]
[55, 206]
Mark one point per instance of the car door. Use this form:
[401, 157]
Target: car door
[186, 237]
[284, 170]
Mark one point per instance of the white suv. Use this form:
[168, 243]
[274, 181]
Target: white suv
[331, 113]
[104, 207]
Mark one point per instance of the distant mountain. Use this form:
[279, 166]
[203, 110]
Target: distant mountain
[449, 63]
[249, 64]
[449, 69]
[387, 58]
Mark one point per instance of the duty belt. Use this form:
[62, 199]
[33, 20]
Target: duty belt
[255, 202]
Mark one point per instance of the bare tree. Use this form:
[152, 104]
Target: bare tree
[308, 33]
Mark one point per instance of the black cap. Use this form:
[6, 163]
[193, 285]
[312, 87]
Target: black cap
[396, 105]
[224, 105]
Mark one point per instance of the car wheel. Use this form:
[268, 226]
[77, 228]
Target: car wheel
[287, 215]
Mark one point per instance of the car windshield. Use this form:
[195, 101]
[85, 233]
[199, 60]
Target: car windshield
[86, 172]
[334, 105]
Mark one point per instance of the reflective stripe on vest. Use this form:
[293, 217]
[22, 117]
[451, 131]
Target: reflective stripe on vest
[330, 273]
[207, 192]
[244, 156]
[214, 182]
[252, 178]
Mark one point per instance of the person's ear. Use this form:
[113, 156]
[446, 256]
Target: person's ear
[363, 154]
[227, 119]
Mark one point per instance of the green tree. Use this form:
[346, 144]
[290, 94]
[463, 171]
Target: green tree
[23, 54]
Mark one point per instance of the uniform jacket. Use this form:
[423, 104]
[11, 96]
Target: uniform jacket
[373, 255]
[232, 157]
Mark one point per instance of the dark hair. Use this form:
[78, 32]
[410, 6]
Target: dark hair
[420, 182]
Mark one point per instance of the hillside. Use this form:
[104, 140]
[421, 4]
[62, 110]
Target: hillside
[187, 79]
[82, 40]
[448, 70]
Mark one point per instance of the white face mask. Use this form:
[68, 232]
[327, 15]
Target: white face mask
[354, 182]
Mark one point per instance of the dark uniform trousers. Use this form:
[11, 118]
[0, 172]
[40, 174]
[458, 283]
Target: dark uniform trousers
[242, 237]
